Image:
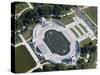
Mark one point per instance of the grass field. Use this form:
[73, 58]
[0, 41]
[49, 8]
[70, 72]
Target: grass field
[17, 40]
[19, 6]
[79, 30]
[86, 42]
[92, 13]
[74, 32]
[93, 60]
[27, 34]
[57, 42]
[67, 19]
[83, 28]
[23, 60]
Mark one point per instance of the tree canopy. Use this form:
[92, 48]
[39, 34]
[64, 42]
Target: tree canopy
[40, 10]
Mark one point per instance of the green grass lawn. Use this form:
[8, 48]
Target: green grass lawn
[83, 28]
[79, 30]
[27, 34]
[17, 40]
[57, 42]
[93, 59]
[86, 42]
[23, 60]
[92, 13]
[67, 19]
[74, 32]
[19, 6]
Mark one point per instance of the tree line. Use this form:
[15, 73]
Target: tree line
[40, 10]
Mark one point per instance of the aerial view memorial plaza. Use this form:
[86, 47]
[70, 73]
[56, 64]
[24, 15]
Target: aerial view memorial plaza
[54, 37]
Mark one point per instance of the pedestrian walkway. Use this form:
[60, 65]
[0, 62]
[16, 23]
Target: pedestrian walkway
[30, 7]
[77, 22]
[30, 50]
[38, 66]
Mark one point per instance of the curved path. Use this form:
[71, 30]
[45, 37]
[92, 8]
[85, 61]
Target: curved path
[30, 7]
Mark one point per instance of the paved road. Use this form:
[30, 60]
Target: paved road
[76, 22]
[74, 11]
[81, 15]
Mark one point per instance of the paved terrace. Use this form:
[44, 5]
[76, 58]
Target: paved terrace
[38, 36]
[77, 22]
